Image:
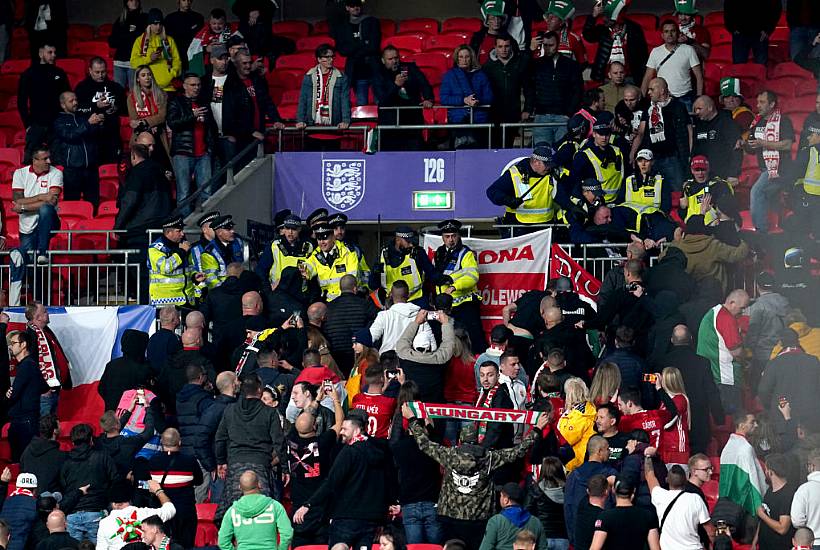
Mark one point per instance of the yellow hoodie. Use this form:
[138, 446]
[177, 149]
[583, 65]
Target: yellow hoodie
[164, 72]
[809, 339]
[577, 425]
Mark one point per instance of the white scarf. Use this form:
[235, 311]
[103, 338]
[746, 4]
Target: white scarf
[319, 92]
[656, 125]
[771, 132]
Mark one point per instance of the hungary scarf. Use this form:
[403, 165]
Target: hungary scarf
[252, 347]
[741, 478]
[51, 359]
[771, 132]
[478, 414]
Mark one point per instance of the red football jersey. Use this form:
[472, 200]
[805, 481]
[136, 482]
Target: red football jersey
[652, 422]
[380, 411]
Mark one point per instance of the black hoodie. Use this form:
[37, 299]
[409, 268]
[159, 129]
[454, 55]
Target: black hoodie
[126, 372]
[287, 298]
[249, 432]
[86, 466]
[670, 274]
[44, 459]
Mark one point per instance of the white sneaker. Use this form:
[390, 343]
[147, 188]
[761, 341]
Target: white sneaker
[41, 259]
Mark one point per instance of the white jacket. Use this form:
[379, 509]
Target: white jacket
[107, 532]
[806, 506]
[390, 324]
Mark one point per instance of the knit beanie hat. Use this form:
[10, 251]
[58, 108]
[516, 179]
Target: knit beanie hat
[362, 336]
[730, 87]
[686, 7]
[562, 9]
[613, 9]
[493, 7]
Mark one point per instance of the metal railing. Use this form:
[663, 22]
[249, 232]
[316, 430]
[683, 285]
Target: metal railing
[400, 108]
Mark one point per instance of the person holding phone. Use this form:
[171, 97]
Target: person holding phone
[157, 50]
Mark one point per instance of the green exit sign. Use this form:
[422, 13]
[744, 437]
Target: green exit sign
[433, 200]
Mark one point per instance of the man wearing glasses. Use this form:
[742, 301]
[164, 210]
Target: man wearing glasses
[24, 395]
[700, 471]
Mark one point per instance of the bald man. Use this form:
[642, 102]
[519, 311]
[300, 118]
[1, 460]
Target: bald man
[717, 137]
[165, 341]
[666, 130]
[242, 523]
[227, 387]
[57, 538]
[74, 147]
[563, 334]
[317, 313]
[173, 377]
[178, 474]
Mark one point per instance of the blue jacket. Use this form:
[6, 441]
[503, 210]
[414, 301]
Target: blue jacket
[576, 490]
[192, 400]
[74, 143]
[162, 344]
[20, 512]
[209, 420]
[458, 84]
[341, 101]
[24, 403]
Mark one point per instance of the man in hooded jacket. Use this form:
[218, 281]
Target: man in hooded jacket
[127, 372]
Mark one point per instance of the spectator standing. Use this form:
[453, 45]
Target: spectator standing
[57, 536]
[690, 31]
[43, 457]
[85, 479]
[732, 100]
[775, 513]
[666, 131]
[626, 524]
[629, 361]
[324, 99]
[400, 84]
[389, 324]
[75, 146]
[591, 506]
[504, 527]
[359, 40]
[51, 357]
[751, 25]
[676, 63]
[148, 107]
[803, 19]
[717, 137]
[20, 508]
[215, 31]
[466, 85]
[97, 94]
[193, 139]
[577, 423]
[615, 87]
[212, 91]
[183, 25]
[496, 21]
[553, 91]
[125, 30]
[675, 434]
[255, 520]
[192, 400]
[771, 138]
[227, 386]
[607, 418]
[155, 49]
[580, 484]
[742, 480]
[129, 371]
[38, 97]
[507, 69]
[700, 472]
[111, 535]
[165, 341]
[805, 511]
[427, 367]
[46, 23]
[618, 38]
[346, 314]
[545, 500]
[24, 394]
[767, 319]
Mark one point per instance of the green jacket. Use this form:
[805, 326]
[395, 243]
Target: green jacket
[254, 521]
[507, 82]
[504, 527]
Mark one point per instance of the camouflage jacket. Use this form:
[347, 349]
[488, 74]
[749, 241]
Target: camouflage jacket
[467, 490]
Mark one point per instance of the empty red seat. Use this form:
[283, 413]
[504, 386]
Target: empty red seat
[710, 491]
[427, 25]
[647, 21]
[14, 66]
[423, 547]
[310, 43]
[714, 19]
[291, 28]
[790, 69]
[721, 54]
[107, 209]
[11, 229]
[433, 60]
[411, 42]
[434, 75]
[720, 36]
[784, 88]
[745, 70]
[10, 160]
[449, 41]
[322, 27]
[6, 193]
[801, 103]
[71, 212]
[75, 68]
[388, 27]
[104, 30]
[466, 24]
[88, 49]
[446, 52]
[290, 97]
[80, 31]
[288, 112]
[300, 61]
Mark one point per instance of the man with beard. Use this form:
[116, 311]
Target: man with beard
[99, 94]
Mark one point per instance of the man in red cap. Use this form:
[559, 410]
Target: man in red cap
[702, 187]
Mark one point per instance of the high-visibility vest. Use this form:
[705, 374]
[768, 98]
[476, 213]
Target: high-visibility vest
[345, 263]
[538, 205]
[463, 270]
[693, 201]
[811, 181]
[195, 255]
[213, 265]
[407, 271]
[645, 195]
[364, 269]
[167, 281]
[283, 259]
[610, 177]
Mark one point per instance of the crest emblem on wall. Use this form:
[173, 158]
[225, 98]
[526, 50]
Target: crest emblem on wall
[343, 183]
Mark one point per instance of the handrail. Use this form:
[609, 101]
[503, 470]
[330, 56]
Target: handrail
[398, 108]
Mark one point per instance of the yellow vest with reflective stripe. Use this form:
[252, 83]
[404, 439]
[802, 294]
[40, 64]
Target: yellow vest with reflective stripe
[693, 202]
[167, 279]
[463, 270]
[811, 181]
[407, 271]
[538, 206]
[610, 177]
[345, 263]
[281, 260]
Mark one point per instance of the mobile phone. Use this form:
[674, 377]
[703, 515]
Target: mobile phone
[141, 396]
[295, 317]
[327, 385]
[142, 484]
[783, 401]
[650, 378]
[391, 373]
[432, 316]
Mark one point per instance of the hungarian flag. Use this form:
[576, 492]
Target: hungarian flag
[197, 51]
[741, 478]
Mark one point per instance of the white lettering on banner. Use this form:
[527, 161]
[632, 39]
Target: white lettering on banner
[434, 170]
[510, 255]
[500, 296]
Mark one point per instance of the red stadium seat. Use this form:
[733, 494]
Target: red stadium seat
[720, 36]
[107, 209]
[322, 27]
[423, 547]
[802, 103]
[299, 61]
[71, 212]
[310, 43]
[431, 60]
[6, 194]
[790, 69]
[446, 52]
[745, 70]
[710, 489]
[784, 88]
[207, 533]
[11, 104]
[450, 41]
[88, 49]
[291, 28]
[411, 42]
[721, 54]
[466, 24]
[74, 68]
[10, 160]
[290, 96]
[798, 118]
[15, 66]
[312, 547]
[388, 27]
[434, 75]
[109, 190]
[647, 21]
[78, 32]
[11, 229]
[288, 112]
[427, 25]
[104, 30]
[714, 19]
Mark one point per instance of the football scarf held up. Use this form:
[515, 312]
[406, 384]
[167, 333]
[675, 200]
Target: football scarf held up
[478, 414]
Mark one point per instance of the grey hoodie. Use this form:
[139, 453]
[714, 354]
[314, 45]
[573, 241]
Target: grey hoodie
[390, 324]
[766, 320]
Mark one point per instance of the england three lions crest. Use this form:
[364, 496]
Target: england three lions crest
[343, 183]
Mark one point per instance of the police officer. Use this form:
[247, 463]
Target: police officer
[529, 190]
[338, 223]
[601, 160]
[457, 267]
[700, 185]
[404, 259]
[331, 261]
[806, 195]
[577, 131]
[645, 191]
[206, 236]
[224, 249]
[170, 278]
[287, 251]
[316, 218]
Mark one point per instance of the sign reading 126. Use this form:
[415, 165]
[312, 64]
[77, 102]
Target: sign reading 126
[434, 170]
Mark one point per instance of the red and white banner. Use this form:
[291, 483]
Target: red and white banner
[562, 265]
[507, 268]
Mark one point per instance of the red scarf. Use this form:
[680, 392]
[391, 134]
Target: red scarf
[19, 491]
[486, 401]
[52, 359]
[149, 105]
[357, 438]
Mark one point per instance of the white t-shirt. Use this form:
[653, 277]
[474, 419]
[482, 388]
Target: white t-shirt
[677, 67]
[31, 185]
[216, 100]
[680, 532]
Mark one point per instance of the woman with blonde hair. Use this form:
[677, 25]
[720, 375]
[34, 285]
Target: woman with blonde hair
[147, 106]
[605, 384]
[365, 356]
[466, 86]
[577, 423]
[158, 50]
[675, 435]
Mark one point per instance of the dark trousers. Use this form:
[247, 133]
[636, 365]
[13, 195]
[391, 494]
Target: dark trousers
[742, 43]
[356, 533]
[183, 526]
[313, 530]
[468, 315]
[82, 183]
[21, 432]
[470, 531]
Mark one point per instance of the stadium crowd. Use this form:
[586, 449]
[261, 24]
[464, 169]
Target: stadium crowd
[318, 401]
